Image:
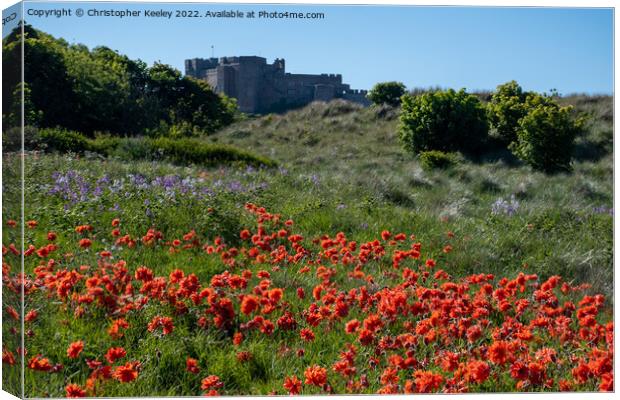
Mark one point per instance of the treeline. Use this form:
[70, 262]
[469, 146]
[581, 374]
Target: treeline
[100, 90]
[534, 127]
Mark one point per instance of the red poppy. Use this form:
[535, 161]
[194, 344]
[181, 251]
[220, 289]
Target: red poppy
[191, 365]
[211, 382]
[249, 304]
[74, 390]
[499, 352]
[115, 353]
[316, 375]
[292, 384]
[39, 363]
[307, 335]
[478, 371]
[75, 349]
[427, 381]
[164, 322]
[126, 373]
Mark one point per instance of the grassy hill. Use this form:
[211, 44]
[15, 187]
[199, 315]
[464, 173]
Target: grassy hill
[355, 156]
[339, 172]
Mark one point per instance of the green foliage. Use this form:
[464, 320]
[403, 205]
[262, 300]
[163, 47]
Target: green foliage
[546, 135]
[443, 120]
[435, 159]
[12, 138]
[387, 93]
[182, 151]
[186, 151]
[101, 90]
[62, 140]
[506, 108]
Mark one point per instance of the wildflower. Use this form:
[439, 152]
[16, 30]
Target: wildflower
[249, 304]
[8, 357]
[352, 326]
[12, 312]
[316, 375]
[126, 373]
[164, 322]
[85, 243]
[191, 365]
[508, 208]
[474, 333]
[292, 384]
[499, 352]
[244, 356]
[115, 330]
[427, 381]
[114, 353]
[307, 335]
[607, 382]
[581, 373]
[73, 390]
[75, 349]
[211, 382]
[39, 363]
[478, 371]
[237, 338]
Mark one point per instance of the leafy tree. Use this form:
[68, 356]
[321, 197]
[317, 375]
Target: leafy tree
[506, 108]
[387, 93]
[546, 135]
[443, 120]
[100, 90]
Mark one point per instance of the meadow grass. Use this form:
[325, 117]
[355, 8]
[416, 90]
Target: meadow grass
[340, 169]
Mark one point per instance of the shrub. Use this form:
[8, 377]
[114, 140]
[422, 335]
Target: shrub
[546, 135]
[506, 108]
[387, 93]
[12, 139]
[436, 159]
[62, 140]
[443, 120]
[186, 151]
[104, 144]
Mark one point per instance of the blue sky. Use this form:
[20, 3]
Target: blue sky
[570, 50]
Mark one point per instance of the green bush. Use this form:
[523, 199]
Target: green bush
[12, 139]
[185, 151]
[436, 159]
[546, 135]
[62, 140]
[443, 120]
[387, 93]
[89, 90]
[181, 151]
[506, 108]
[104, 144]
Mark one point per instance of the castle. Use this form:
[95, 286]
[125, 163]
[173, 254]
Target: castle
[262, 88]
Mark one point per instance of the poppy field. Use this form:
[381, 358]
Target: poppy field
[323, 275]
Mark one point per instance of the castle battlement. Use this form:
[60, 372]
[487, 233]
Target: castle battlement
[260, 87]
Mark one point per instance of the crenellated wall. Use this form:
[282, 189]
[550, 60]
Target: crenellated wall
[260, 87]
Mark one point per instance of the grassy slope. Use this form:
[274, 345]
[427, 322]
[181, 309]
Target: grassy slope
[346, 172]
[356, 151]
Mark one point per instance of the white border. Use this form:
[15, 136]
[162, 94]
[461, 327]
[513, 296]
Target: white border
[484, 3]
